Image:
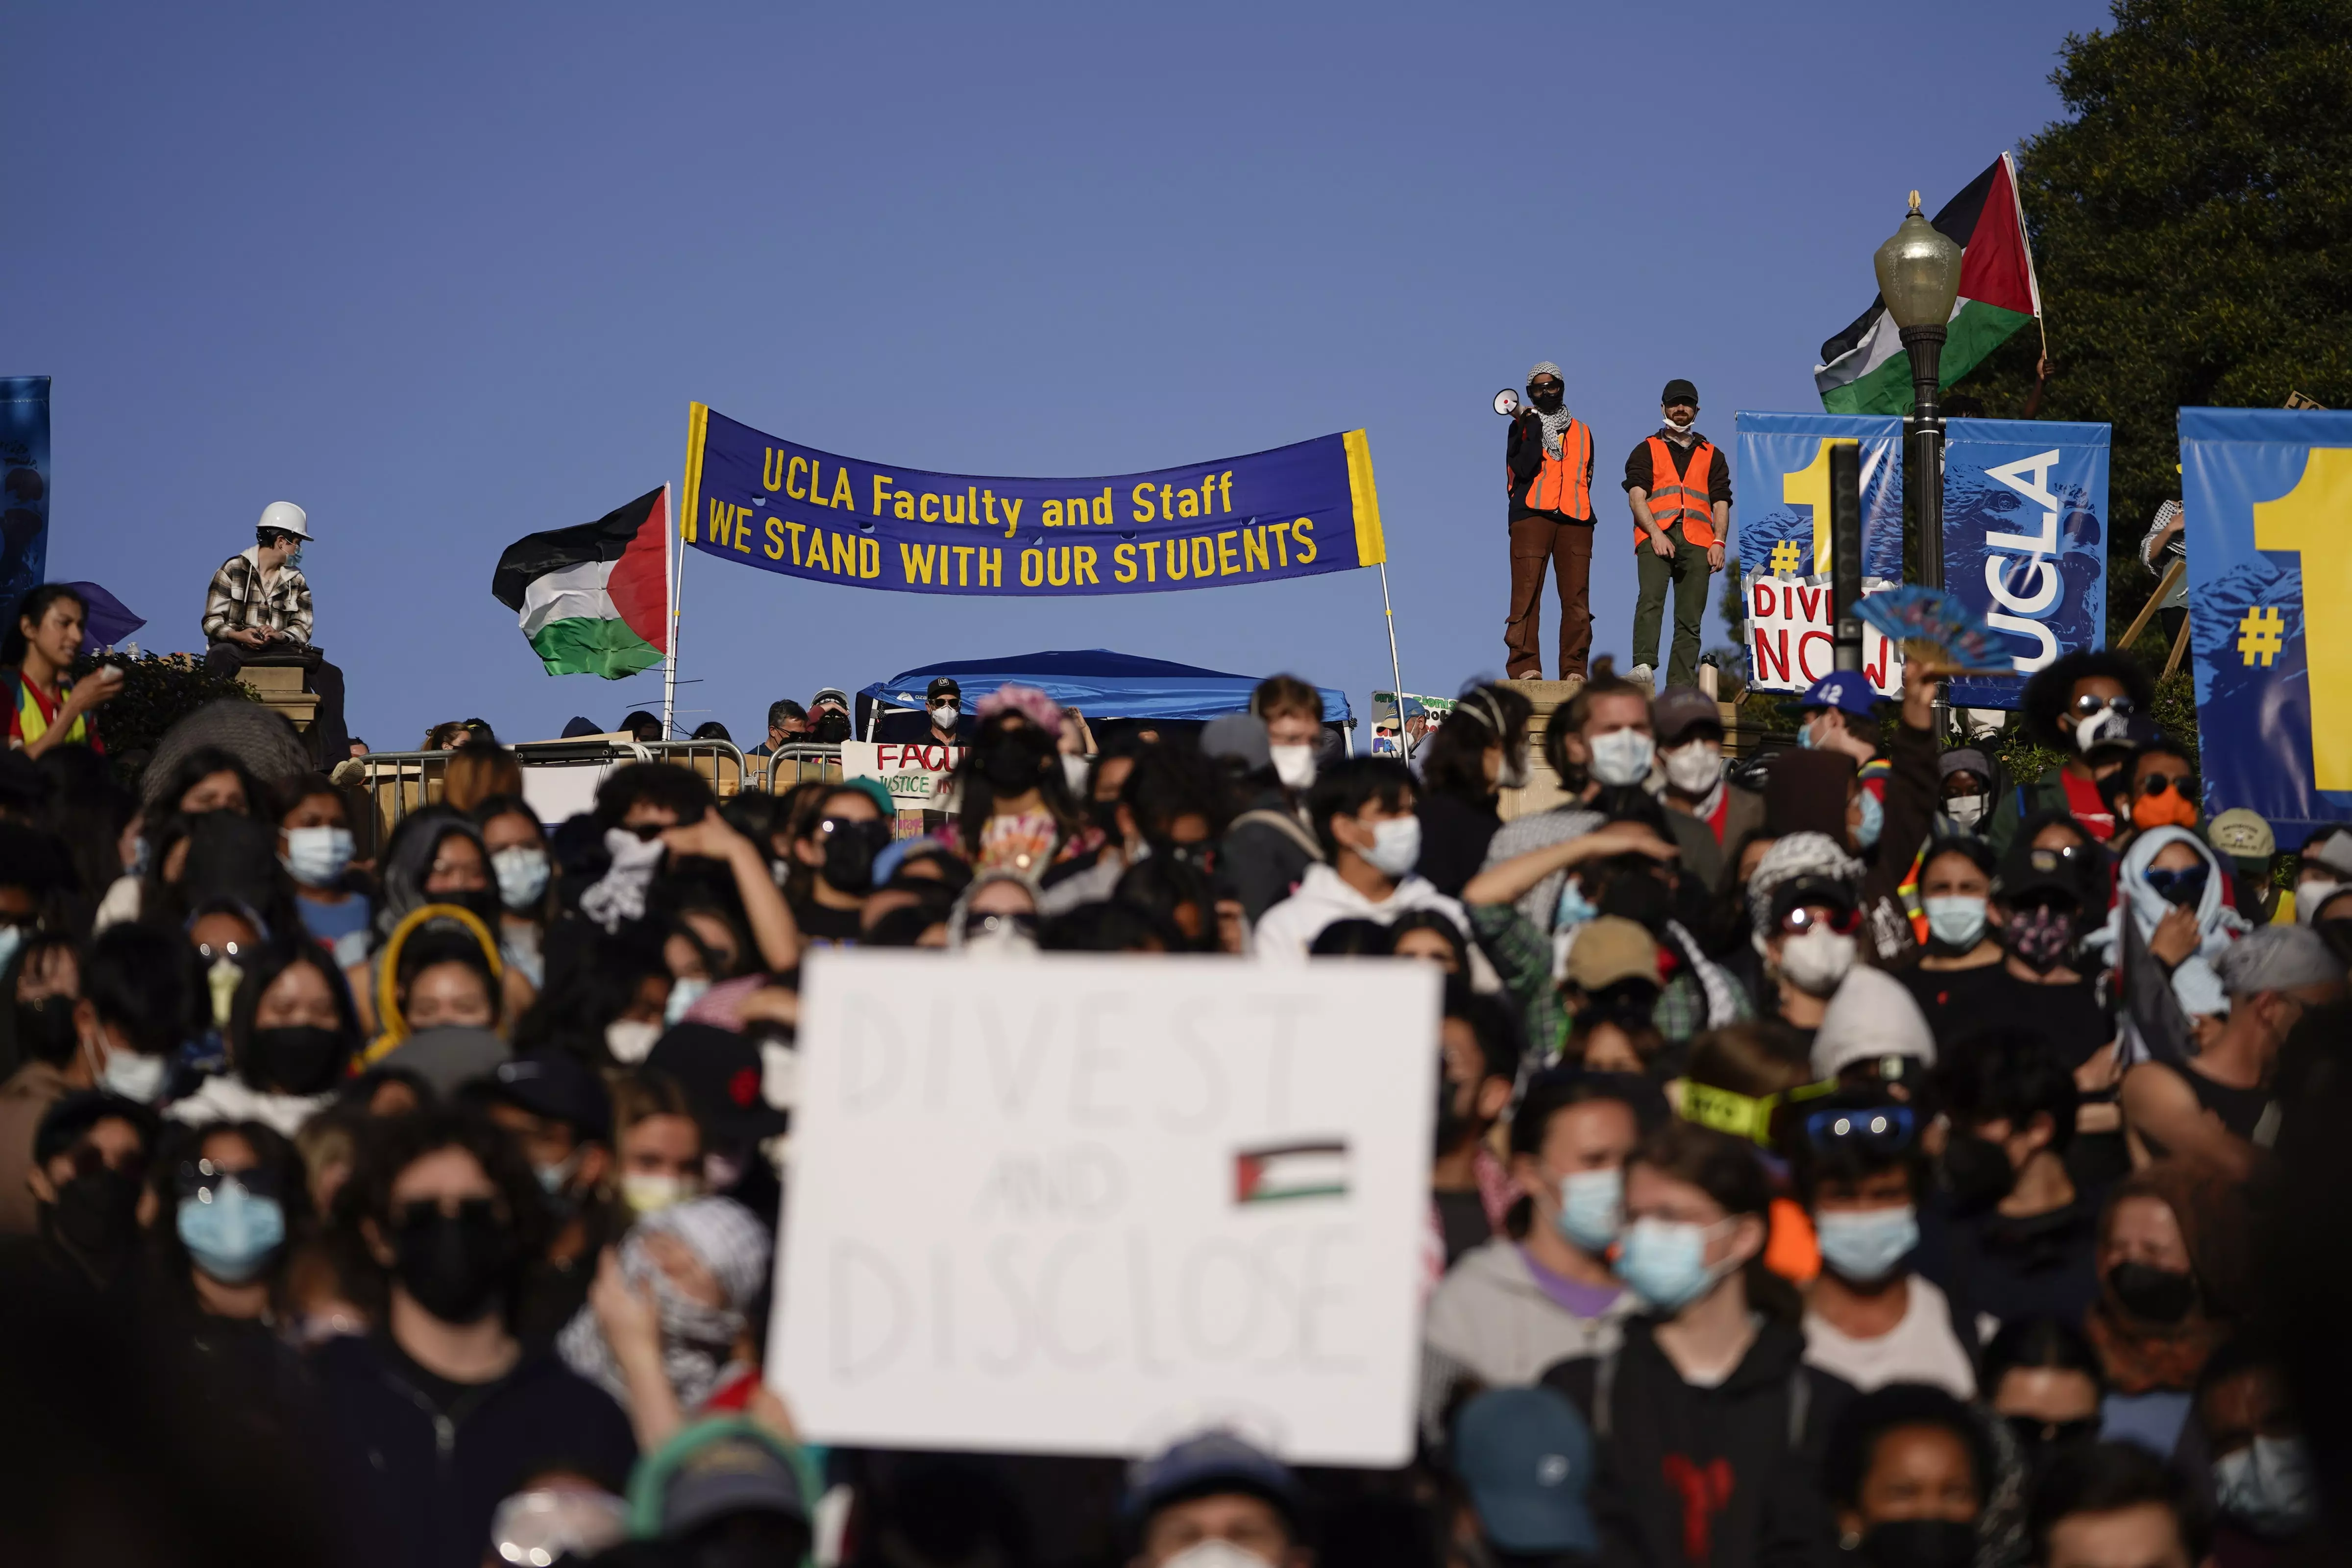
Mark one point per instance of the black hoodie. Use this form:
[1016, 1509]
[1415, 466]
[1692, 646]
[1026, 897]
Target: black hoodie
[1709, 1477]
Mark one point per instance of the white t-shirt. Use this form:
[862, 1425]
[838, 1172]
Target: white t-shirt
[1921, 1348]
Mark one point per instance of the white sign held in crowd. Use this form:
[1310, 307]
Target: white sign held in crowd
[1088, 1205]
[916, 776]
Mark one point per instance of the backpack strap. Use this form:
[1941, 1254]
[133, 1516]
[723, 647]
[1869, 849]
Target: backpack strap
[1604, 1379]
[1800, 1403]
[1283, 823]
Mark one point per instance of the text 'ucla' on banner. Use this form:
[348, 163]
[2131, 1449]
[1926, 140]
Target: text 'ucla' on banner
[1294, 511]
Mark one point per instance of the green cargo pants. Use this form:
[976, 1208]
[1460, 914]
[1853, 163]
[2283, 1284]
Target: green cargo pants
[1689, 572]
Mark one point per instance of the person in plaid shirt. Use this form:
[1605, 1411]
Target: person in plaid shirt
[259, 602]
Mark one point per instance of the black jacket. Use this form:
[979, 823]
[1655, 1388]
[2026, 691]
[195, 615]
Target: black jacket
[1265, 853]
[1709, 1477]
[413, 1484]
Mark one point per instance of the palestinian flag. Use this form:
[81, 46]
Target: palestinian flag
[594, 600]
[1864, 369]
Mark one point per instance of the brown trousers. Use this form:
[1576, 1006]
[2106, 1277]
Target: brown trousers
[1569, 548]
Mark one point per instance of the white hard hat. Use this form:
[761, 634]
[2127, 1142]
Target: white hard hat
[286, 518]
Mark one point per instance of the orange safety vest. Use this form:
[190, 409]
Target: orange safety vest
[1682, 500]
[1564, 483]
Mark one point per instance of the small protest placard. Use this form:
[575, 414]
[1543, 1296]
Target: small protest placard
[1086, 1204]
[918, 776]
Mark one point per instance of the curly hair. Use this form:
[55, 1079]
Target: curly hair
[2052, 689]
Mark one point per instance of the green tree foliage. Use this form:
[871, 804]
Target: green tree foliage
[157, 693]
[2192, 230]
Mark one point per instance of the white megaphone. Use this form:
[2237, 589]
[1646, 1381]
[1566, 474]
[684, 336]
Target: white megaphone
[1507, 403]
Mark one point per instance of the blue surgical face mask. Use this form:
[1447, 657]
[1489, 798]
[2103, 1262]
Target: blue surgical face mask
[1805, 741]
[1873, 822]
[683, 994]
[1665, 1262]
[231, 1233]
[523, 871]
[1956, 921]
[1593, 1207]
[1574, 909]
[1865, 1245]
[317, 857]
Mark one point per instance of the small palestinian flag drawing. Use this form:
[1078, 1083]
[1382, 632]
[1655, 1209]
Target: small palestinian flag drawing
[594, 600]
[1290, 1170]
[1863, 369]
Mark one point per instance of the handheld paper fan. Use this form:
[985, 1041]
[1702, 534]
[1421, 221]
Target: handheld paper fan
[1936, 630]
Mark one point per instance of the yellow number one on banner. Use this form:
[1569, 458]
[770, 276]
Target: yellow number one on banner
[2313, 519]
[1809, 487]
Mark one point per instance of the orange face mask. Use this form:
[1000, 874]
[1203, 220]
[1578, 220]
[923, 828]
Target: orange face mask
[2169, 808]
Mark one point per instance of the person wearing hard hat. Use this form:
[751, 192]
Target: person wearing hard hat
[259, 602]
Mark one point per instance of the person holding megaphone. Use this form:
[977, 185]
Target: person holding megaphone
[1547, 461]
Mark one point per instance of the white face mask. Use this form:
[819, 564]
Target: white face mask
[1293, 765]
[629, 1040]
[1967, 811]
[133, 1076]
[1621, 757]
[1516, 770]
[944, 715]
[1217, 1554]
[646, 1192]
[317, 857]
[1075, 771]
[523, 871]
[1816, 961]
[1396, 846]
[1694, 767]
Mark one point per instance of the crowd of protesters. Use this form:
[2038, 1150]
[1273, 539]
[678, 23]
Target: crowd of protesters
[1858, 1154]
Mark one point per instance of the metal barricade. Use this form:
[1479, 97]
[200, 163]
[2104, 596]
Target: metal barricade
[722, 763]
[798, 764]
[392, 783]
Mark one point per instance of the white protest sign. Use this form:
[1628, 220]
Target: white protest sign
[916, 776]
[1087, 1205]
[1790, 637]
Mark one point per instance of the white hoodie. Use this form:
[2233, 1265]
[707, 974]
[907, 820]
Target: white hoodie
[1286, 930]
[225, 1097]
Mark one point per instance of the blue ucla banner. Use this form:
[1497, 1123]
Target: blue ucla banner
[1296, 511]
[2267, 495]
[24, 484]
[1782, 465]
[2025, 541]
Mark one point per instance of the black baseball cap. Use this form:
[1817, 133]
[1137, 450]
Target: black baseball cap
[1679, 390]
[724, 1077]
[558, 1087]
[2026, 871]
[942, 687]
[1205, 1464]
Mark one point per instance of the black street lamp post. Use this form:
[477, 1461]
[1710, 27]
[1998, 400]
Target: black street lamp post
[1919, 277]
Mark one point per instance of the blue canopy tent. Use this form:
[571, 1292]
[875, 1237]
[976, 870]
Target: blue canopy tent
[1096, 681]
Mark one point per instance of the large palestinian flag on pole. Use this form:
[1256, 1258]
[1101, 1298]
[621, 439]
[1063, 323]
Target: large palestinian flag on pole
[1864, 369]
[594, 600]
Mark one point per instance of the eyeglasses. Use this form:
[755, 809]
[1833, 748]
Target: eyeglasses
[201, 1179]
[1882, 1129]
[2086, 704]
[1804, 918]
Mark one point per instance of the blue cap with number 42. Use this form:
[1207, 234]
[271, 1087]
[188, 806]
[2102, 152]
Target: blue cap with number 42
[1846, 690]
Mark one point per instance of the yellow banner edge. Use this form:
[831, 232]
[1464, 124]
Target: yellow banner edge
[1372, 545]
[697, 422]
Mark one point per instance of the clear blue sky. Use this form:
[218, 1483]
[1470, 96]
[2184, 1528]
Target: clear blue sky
[450, 274]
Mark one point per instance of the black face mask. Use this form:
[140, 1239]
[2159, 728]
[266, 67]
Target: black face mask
[1640, 897]
[1977, 1171]
[2152, 1294]
[1548, 400]
[1015, 761]
[1919, 1543]
[832, 727]
[1452, 1127]
[45, 1029]
[456, 1266]
[302, 1058]
[849, 852]
[96, 1215]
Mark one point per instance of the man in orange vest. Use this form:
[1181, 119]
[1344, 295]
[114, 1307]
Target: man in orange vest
[1547, 468]
[1680, 487]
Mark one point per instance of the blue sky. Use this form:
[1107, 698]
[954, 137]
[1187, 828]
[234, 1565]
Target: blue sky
[447, 276]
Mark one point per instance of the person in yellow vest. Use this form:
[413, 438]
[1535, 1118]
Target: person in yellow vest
[1680, 488]
[34, 654]
[1548, 466]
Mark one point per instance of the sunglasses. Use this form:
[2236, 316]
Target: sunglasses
[876, 833]
[2182, 886]
[2156, 784]
[88, 1159]
[2086, 704]
[1803, 918]
[204, 1178]
[1880, 1129]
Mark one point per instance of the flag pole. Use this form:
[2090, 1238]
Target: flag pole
[674, 568]
[1396, 673]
